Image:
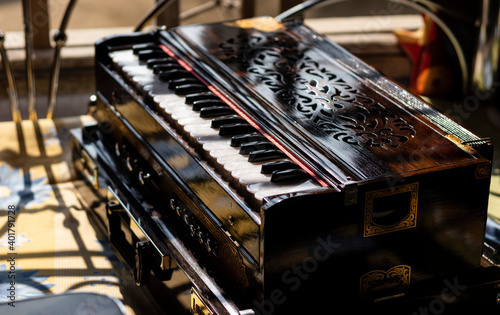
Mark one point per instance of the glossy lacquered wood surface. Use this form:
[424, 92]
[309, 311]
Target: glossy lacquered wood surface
[407, 188]
[302, 89]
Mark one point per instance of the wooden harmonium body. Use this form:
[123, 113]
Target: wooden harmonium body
[293, 171]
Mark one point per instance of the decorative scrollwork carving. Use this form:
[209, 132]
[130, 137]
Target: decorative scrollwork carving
[287, 68]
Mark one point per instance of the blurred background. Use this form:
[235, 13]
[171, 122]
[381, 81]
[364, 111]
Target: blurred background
[113, 13]
[364, 27]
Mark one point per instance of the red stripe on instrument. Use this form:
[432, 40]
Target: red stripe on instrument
[246, 117]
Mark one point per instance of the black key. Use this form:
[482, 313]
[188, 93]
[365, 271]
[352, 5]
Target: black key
[146, 46]
[198, 105]
[167, 67]
[235, 129]
[217, 122]
[248, 147]
[191, 98]
[270, 167]
[159, 61]
[214, 111]
[174, 74]
[265, 155]
[237, 141]
[190, 88]
[175, 83]
[288, 175]
[145, 55]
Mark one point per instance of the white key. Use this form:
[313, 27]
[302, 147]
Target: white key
[165, 97]
[212, 138]
[190, 120]
[184, 119]
[203, 132]
[227, 159]
[250, 170]
[124, 58]
[221, 144]
[176, 109]
[217, 153]
[261, 190]
[234, 166]
[181, 115]
[173, 102]
[253, 178]
[137, 69]
[143, 80]
[203, 128]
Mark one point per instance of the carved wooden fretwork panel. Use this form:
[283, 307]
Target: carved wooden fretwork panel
[289, 69]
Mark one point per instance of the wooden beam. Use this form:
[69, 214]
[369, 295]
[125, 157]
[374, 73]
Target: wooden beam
[40, 24]
[170, 17]
[247, 8]
[287, 4]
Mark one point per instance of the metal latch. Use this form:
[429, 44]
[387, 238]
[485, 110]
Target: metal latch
[88, 168]
[351, 195]
[198, 305]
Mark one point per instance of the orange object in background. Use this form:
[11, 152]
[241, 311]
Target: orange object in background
[432, 71]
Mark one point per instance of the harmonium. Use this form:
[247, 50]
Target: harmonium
[283, 175]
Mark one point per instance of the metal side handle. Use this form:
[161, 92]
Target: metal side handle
[132, 245]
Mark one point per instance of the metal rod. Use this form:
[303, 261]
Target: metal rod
[298, 9]
[59, 39]
[54, 74]
[153, 13]
[67, 15]
[30, 69]
[12, 88]
[199, 9]
[156, 10]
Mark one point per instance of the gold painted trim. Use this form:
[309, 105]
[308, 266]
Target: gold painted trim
[377, 280]
[410, 221]
[198, 305]
[483, 171]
